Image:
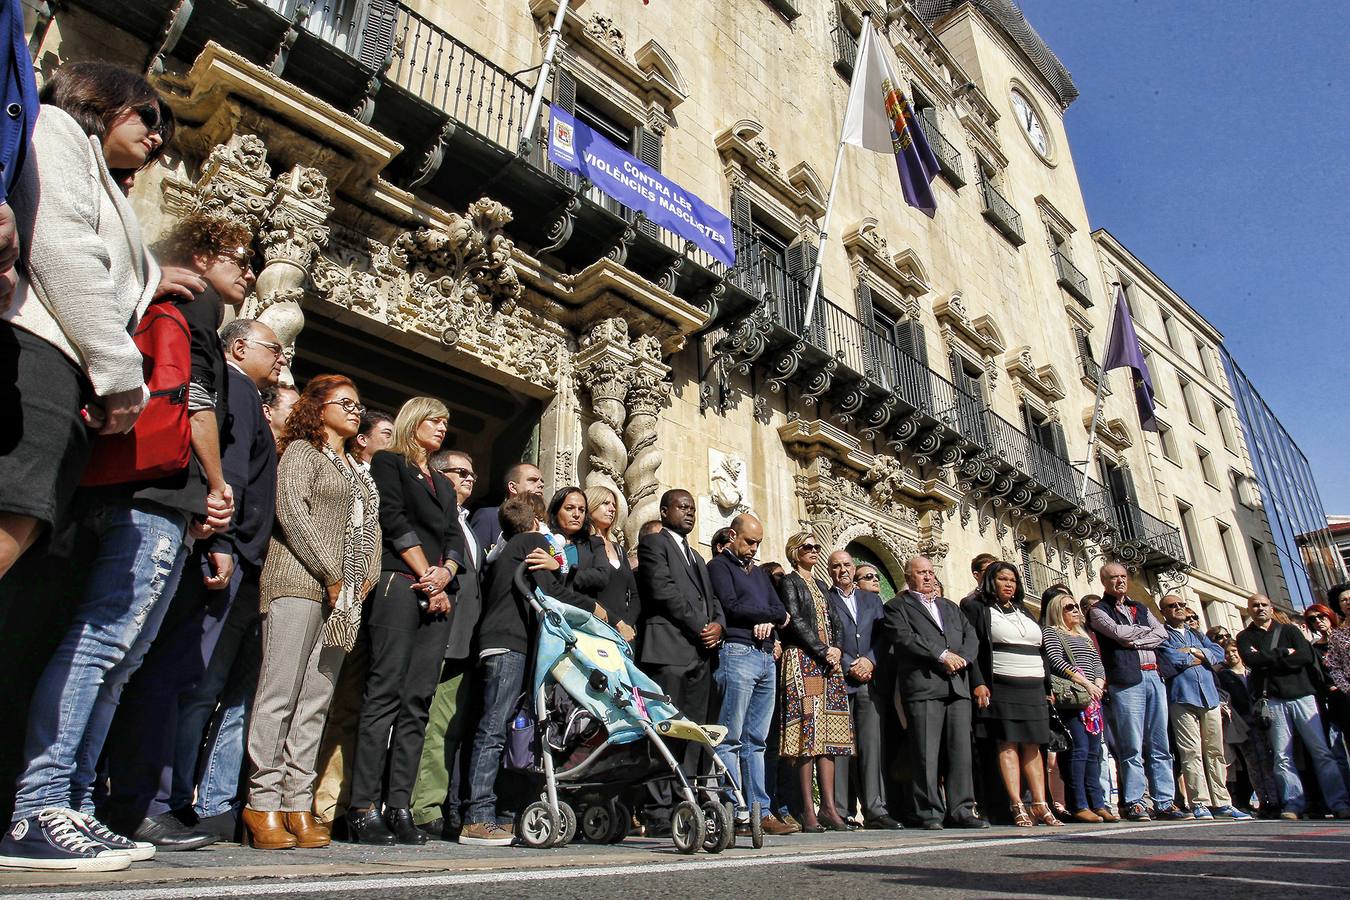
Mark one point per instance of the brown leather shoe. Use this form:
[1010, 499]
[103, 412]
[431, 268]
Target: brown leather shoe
[309, 833]
[773, 825]
[1107, 815]
[1086, 815]
[267, 830]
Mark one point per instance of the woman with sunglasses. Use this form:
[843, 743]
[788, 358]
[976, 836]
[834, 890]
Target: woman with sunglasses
[322, 561]
[816, 725]
[1331, 643]
[65, 336]
[409, 622]
[1071, 654]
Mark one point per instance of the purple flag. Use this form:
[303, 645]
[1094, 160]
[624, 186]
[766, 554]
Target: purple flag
[880, 118]
[1124, 352]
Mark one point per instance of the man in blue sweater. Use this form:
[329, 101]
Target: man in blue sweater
[1187, 660]
[746, 674]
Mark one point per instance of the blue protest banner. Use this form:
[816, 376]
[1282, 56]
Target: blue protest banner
[576, 148]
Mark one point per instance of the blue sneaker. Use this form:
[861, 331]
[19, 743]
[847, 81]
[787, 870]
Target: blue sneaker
[53, 840]
[1232, 812]
[1200, 811]
[1170, 813]
[139, 851]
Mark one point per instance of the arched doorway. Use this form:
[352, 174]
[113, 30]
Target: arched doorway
[890, 582]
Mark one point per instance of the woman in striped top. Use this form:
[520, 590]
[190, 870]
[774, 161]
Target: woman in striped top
[1070, 653]
[1016, 713]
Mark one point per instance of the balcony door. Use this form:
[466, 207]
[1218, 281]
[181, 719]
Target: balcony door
[337, 22]
[1123, 499]
[968, 380]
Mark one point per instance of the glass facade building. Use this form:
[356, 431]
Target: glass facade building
[1303, 542]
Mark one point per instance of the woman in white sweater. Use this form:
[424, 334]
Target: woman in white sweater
[68, 365]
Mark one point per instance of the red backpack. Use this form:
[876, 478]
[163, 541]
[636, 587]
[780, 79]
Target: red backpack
[159, 444]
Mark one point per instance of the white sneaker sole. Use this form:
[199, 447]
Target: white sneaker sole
[112, 861]
[486, 842]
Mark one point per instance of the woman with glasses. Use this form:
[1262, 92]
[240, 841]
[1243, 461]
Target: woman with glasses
[868, 579]
[71, 368]
[1017, 716]
[1331, 642]
[408, 621]
[1071, 654]
[321, 563]
[816, 725]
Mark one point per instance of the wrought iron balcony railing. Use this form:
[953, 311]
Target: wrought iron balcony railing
[1001, 214]
[845, 49]
[948, 157]
[1038, 578]
[1135, 524]
[1071, 278]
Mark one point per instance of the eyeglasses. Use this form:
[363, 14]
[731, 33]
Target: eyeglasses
[1072, 607]
[240, 256]
[150, 118]
[465, 474]
[1193, 620]
[1174, 606]
[274, 349]
[869, 576]
[348, 405]
[809, 548]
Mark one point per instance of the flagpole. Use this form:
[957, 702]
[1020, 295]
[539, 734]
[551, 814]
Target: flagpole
[829, 197]
[529, 127]
[1097, 407]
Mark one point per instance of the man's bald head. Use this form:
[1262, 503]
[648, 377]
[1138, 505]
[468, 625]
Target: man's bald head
[747, 533]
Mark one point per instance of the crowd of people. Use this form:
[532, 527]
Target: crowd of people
[290, 625]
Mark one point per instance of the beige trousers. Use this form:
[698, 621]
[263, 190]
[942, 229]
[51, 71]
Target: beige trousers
[338, 748]
[1198, 740]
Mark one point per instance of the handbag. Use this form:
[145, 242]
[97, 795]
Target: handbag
[1263, 716]
[1070, 696]
[1059, 734]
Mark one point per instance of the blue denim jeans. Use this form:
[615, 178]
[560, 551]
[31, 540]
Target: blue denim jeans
[1082, 776]
[1139, 723]
[500, 677]
[1302, 716]
[128, 585]
[746, 678]
[230, 681]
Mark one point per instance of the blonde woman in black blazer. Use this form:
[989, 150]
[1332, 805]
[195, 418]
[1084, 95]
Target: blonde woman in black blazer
[408, 623]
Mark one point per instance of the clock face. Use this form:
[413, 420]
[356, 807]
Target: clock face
[1030, 123]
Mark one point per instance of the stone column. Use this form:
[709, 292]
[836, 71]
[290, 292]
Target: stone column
[292, 234]
[648, 394]
[603, 368]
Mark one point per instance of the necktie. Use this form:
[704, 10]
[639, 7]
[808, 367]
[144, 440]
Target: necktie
[688, 554]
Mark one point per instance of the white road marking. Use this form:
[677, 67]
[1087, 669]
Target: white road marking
[255, 888]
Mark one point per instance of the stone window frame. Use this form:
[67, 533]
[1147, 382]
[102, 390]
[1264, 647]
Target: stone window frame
[979, 340]
[898, 281]
[1042, 385]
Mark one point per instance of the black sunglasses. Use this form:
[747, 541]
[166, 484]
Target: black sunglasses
[150, 118]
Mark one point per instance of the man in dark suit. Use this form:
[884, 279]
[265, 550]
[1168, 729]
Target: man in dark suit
[522, 478]
[860, 643]
[934, 646]
[448, 718]
[682, 625]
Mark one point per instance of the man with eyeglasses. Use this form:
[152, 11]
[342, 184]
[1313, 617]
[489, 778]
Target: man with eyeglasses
[435, 807]
[1136, 700]
[1187, 660]
[1283, 672]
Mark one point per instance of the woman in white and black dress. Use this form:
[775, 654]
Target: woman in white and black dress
[1017, 717]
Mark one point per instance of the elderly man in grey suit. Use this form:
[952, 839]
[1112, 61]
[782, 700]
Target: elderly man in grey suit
[681, 625]
[934, 648]
[861, 646]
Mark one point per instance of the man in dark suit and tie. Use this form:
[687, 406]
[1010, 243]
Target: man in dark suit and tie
[447, 720]
[681, 626]
[934, 647]
[860, 643]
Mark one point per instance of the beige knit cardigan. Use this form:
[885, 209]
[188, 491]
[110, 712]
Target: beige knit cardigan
[304, 556]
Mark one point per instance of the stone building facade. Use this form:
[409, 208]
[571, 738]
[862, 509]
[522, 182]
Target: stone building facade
[414, 236]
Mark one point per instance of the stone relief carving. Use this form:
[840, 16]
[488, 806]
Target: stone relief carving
[601, 27]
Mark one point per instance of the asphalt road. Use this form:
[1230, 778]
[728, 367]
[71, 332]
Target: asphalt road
[1256, 859]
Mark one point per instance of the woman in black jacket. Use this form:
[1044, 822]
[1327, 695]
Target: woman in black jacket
[409, 622]
[587, 569]
[619, 597]
[816, 725]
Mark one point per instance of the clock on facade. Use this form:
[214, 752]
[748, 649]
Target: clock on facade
[1030, 123]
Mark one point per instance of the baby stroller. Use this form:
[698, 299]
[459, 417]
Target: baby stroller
[598, 721]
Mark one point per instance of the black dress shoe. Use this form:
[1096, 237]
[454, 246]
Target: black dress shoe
[970, 822]
[881, 823]
[170, 835]
[400, 822]
[434, 830]
[813, 829]
[367, 827]
[225, 826]
[933, 825]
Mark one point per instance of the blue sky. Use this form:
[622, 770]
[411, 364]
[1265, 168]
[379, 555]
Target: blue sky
[1211, 138]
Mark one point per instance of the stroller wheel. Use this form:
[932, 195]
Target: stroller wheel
[569, 825]
[719, 826]
[687, 827]
[756, 826]
[623, 821]
[538, 826]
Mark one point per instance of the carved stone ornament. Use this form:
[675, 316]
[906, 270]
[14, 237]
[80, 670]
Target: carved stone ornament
[602, 28]
[726, 482]
[456, 285]
[885, 478]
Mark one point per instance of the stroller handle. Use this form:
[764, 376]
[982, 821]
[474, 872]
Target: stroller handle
[522, 582]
